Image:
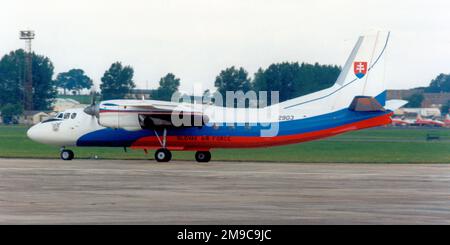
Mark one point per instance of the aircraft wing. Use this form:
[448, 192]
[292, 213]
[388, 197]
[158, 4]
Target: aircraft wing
[150, 114]
[144, 104]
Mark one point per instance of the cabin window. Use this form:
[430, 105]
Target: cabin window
[73, 116]
[248, 126]
[66, 115]
[60, 115]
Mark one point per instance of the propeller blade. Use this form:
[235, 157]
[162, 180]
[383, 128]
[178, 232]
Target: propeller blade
[93, 96]
[92, 110]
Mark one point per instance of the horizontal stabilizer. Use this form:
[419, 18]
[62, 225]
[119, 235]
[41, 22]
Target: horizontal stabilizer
[393, 105]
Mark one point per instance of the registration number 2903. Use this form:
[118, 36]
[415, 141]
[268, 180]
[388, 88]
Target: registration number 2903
[286, 118]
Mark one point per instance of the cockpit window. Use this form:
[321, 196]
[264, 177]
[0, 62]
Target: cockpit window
[73, 116]
[60, 115]
[66, 115]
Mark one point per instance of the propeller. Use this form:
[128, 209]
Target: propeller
[93, 108]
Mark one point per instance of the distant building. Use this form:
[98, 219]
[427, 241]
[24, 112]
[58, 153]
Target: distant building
[435, 100]
[401, 94]
[137, 93]
[431, 100]
[33, 117]
[413, 112]
[60, 104]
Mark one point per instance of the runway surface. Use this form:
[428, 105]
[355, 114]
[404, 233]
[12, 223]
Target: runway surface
[145, 192]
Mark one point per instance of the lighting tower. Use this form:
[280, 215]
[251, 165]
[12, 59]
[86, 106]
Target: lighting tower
[28, 36]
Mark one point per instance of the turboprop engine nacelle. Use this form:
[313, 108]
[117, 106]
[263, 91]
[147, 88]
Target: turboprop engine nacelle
[115, 116]
[136, 117]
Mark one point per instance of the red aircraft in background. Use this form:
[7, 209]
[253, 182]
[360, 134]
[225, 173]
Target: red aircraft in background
[447, 121]
[401, 121]
[429, 122]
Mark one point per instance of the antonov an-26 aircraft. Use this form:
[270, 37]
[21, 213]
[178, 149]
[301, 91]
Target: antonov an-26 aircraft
[356, 101]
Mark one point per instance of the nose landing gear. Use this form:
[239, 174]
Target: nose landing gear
[67, 155]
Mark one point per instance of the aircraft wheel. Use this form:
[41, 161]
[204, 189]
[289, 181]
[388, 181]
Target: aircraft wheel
[67, 155]
[203, 156]
[163, 155]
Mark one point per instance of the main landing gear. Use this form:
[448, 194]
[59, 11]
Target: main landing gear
[203, 156]
[164, 155]
[67, 155]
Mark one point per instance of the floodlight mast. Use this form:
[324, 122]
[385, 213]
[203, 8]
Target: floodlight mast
[28, 36]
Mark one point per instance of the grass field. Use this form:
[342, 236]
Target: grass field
[366, 146]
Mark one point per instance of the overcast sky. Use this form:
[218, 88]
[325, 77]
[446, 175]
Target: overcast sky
[196, 39]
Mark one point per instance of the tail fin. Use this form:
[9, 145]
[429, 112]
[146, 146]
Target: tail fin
[362, 75]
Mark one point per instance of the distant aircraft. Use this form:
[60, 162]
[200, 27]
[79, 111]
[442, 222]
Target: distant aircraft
[356, 101]
[401, 121]
[447, 120]
[428, 122]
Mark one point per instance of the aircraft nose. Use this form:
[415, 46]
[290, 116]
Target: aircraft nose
[33, 133]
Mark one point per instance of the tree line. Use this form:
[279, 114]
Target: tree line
[289, 79]
[12, 74]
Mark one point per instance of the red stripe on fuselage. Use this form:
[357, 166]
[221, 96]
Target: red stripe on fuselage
[211, 141]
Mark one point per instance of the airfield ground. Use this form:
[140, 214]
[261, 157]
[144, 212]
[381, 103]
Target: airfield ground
[308, 183]
[38, 191]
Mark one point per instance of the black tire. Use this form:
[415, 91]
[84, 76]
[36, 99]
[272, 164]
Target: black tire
[169, 156]
[203, 156]
[163, 155]
[67, 155]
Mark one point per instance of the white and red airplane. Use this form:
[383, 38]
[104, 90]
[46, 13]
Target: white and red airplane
[428, 122]
[447, 120]
[356, 101]
[396, 121]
